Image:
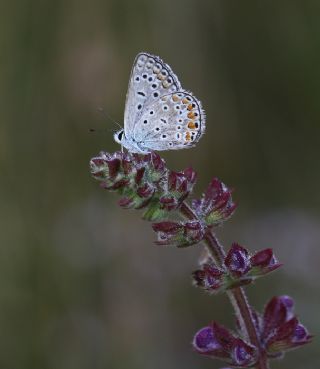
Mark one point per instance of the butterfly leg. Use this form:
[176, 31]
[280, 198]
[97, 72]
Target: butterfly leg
[151, 154]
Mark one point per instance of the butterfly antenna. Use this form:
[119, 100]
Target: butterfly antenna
[103, 112]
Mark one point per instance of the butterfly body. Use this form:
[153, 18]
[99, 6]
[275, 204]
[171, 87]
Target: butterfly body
[159, 114]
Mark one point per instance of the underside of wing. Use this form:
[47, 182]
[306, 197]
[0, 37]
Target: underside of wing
[174, 121]
[150, 79]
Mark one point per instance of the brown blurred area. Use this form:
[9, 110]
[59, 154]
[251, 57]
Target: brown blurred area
[81, 283]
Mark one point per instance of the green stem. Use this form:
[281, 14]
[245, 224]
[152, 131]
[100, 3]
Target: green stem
[237, 295]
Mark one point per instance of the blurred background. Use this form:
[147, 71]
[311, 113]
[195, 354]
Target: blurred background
[81, 283]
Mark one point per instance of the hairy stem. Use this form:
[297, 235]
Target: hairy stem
[237, 295]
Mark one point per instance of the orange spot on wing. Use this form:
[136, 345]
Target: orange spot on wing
[191, 125]
[185, 101]
[188, 136]
[191, 115]
[175, 98]
[190, 107]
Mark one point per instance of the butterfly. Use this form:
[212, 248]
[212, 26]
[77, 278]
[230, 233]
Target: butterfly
[159, 113]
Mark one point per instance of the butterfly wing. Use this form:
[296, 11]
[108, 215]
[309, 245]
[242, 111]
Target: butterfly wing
[172, 122]
[150, 78]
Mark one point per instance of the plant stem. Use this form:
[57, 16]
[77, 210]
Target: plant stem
[237, 295]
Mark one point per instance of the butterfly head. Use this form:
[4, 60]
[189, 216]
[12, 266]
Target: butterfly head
[130, 145]
[119, 136]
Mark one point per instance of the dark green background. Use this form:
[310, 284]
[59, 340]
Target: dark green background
[81, 284]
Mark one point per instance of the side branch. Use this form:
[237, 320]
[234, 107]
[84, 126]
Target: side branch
[237, 295]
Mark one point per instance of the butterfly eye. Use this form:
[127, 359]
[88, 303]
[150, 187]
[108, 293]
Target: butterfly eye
[120, 135]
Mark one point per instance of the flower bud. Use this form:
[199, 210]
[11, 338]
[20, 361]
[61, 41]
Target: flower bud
[276, 313]
[243, 354]
[209, 277]
[176, 188]
[218, 342]
[137, 198]
[155, 164]
[194, 231]
[214, 341]
[205, 341]
[282, 331]
[169, 233]
[216, 204]
[237, 260]
[245, 268]
[180, 234]
[263, 262]
[107, 169]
